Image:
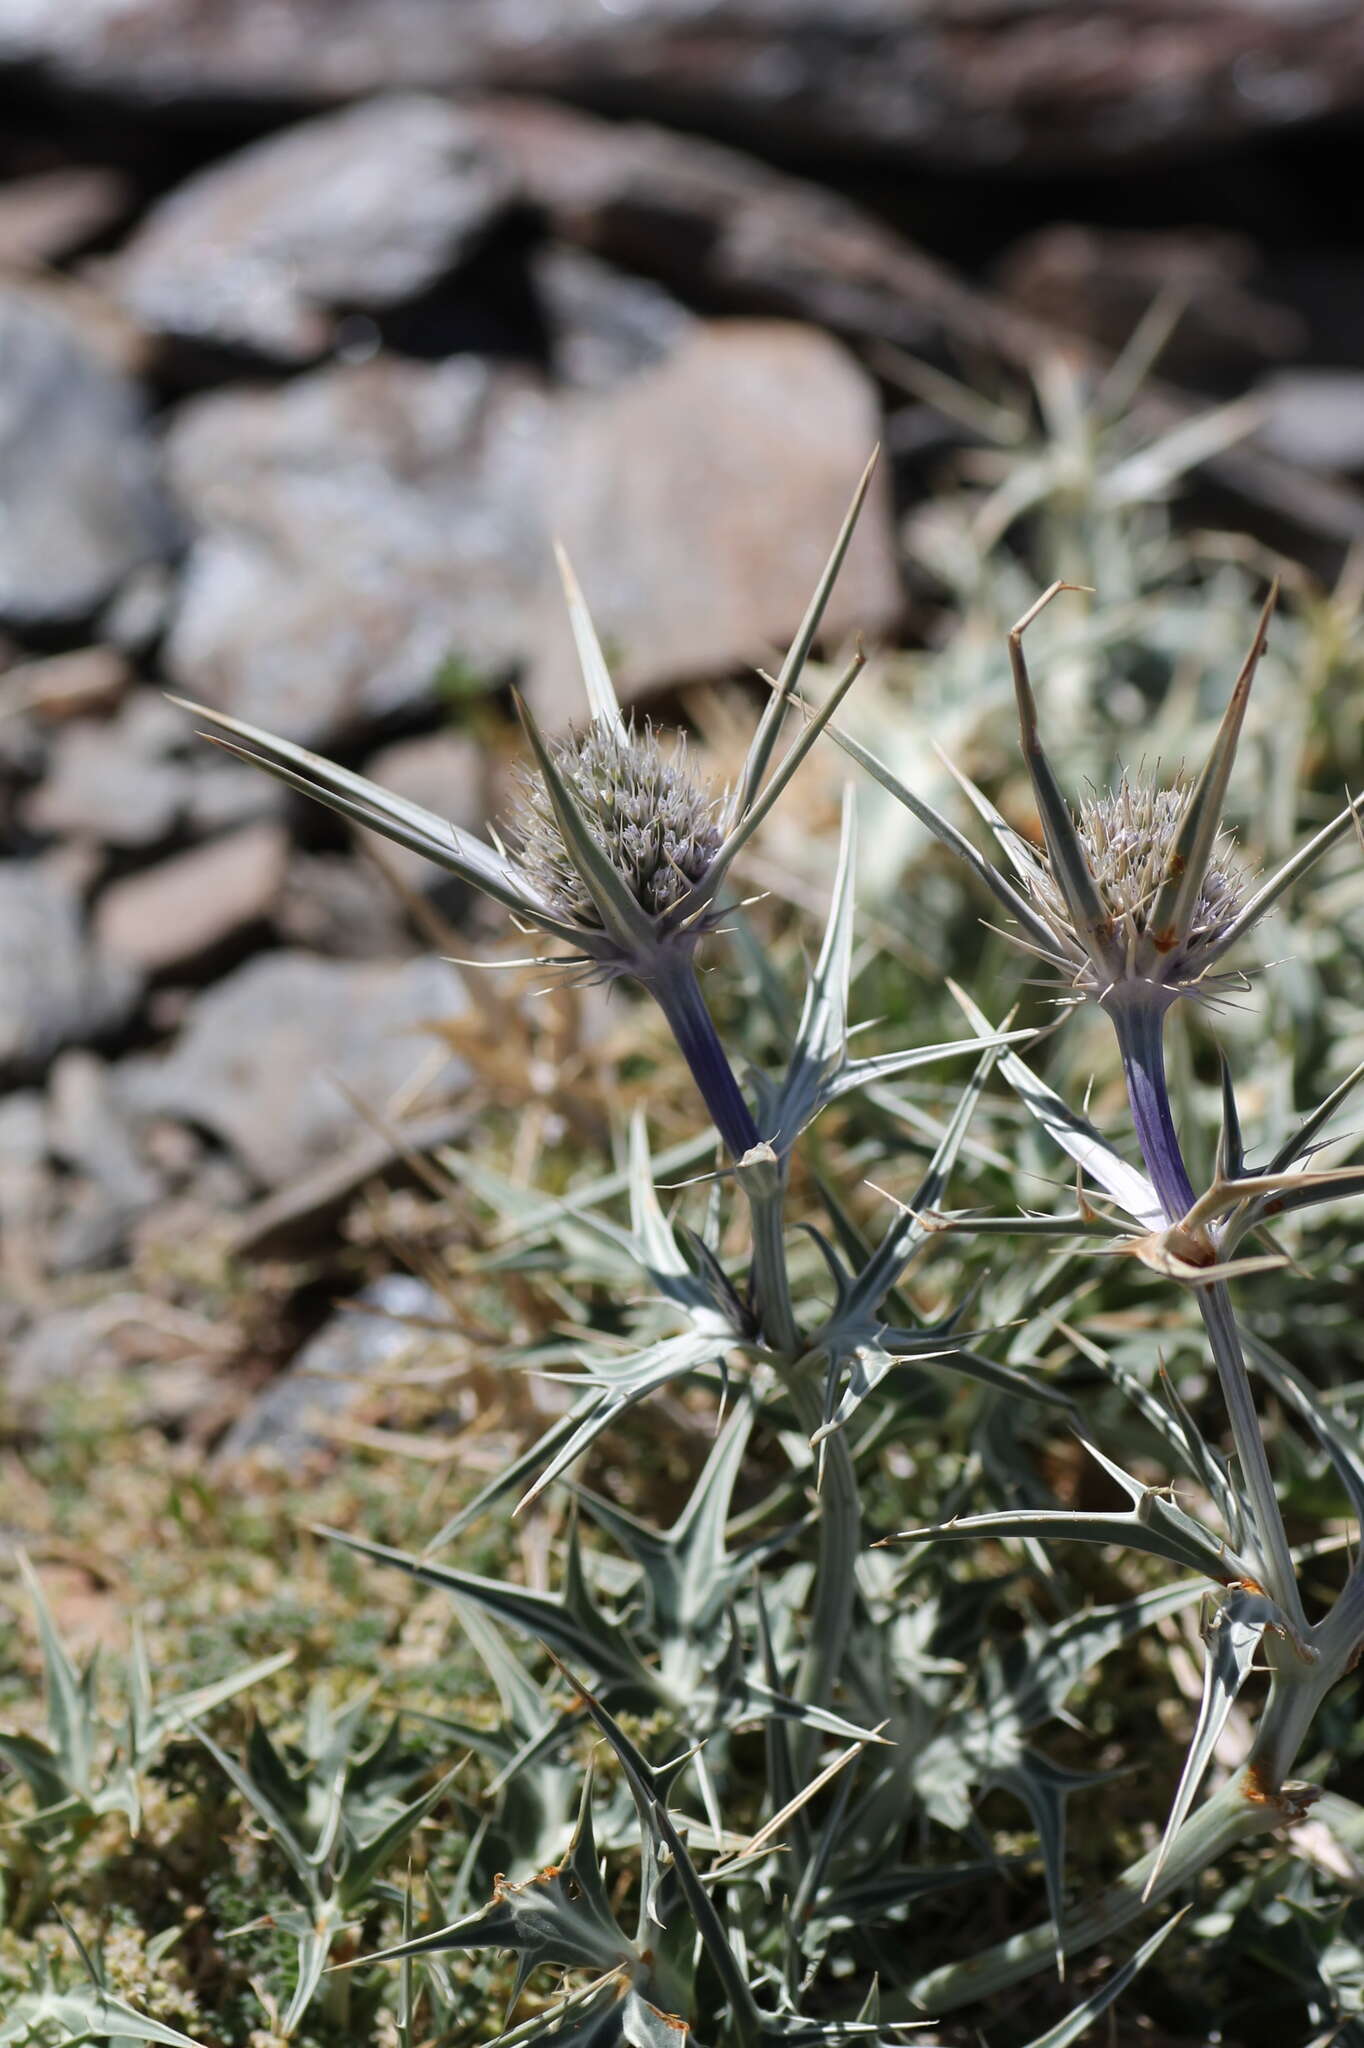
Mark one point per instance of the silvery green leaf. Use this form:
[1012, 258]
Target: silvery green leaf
[1292, 1388]
[821, 1039]
[1172, 913]
[621, 1382]
[88, 2014]
[560, 1916]
[160, 1720]
[1231, 1156]
[1300, 1144]
[586, 1636]
[765, 737]
[513, 1475]
[1293, 869]
[1044, 1787]
[1152, 1524]
[690, 1574]
[1124, 1184]
[649, 1791]
[1167, 1415]
[883, 1270]
[266, 1804]
[748, 820]
[366, 1859]
[1084, 2015]
[601, 695]
[70, 1694]
[380, 810]
[1038, 933]
[1231, 1639]
[1069, 861]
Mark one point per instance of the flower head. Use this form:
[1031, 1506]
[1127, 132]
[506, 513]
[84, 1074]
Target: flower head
[1129, 839]
[658, 825]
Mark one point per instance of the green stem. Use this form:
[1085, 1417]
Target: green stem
[763, 1179]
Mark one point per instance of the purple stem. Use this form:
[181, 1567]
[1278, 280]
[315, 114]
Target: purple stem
[1141, 1027]
[674, 987]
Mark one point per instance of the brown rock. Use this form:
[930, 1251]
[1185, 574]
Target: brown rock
[445, 772]
[698, 503]
[173, 914]
[92, 679]
[48, 215]
[365, 209]
[1035, 83]
[358, 531]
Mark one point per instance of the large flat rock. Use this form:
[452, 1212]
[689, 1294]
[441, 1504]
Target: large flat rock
[699, 501]
[363, 209]
[358, 531]
[76, 462]
[56, 988]
[271, 1053]
[1044, 84]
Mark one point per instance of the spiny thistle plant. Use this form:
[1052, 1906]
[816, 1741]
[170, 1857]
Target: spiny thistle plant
[790, 1918]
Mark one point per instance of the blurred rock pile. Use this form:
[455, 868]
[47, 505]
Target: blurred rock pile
[312, 336]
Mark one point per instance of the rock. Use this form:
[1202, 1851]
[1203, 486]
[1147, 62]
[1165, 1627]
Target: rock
[92, 679]
[364, 209]
[77, 470]
[113, 780]
[603, 323]
[109, 1184]
[336, 1368]
[344, 908]
[1039, 84]
[1314, 417]
[730, 233]
[358, 530]
[1099, 282]
[130, 781]
[445, 772]
[699, 502]
[181, 911]
[50, 214]
[56, 989]
[267, 1052]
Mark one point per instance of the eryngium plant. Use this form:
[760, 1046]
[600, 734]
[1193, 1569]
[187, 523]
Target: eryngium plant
[1136, 902]
[875, 1731]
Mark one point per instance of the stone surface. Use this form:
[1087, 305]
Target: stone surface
[1034, 83]
[176, 913]
[1314, 417]
[445, 772]
[361, 209]
[55, 988]
[604, 323]
[74, 454]
[131, 780]
[674, 496]
[114, 780]
[51, 213]
[266, 1053]
[1099, 282]
[334, 1370]
[91, 679]
[730, 233]
[358, 531]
